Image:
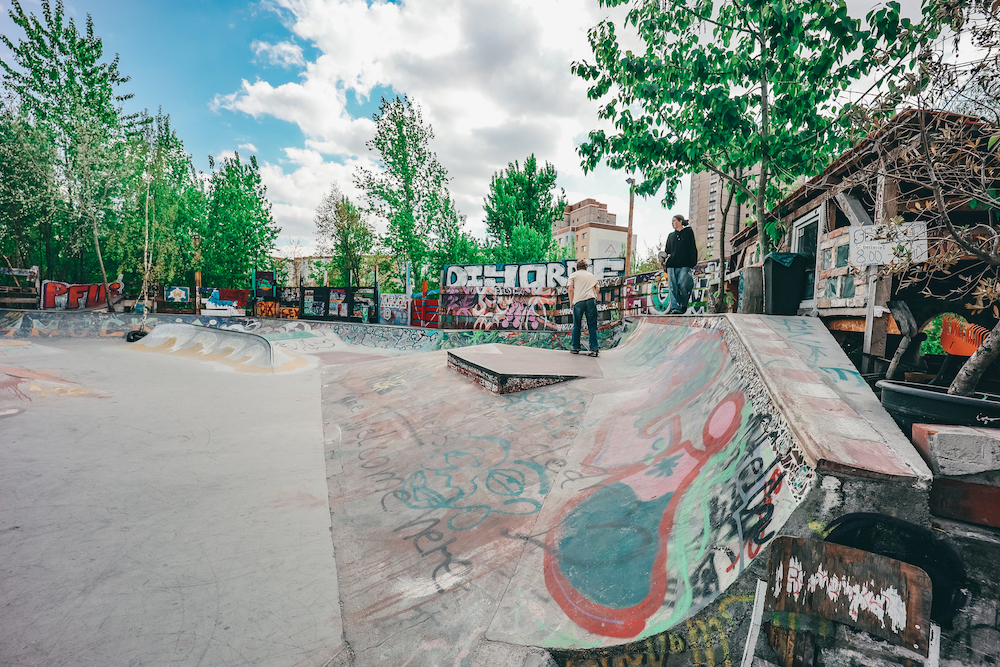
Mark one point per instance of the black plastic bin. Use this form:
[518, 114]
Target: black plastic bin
[784, 282]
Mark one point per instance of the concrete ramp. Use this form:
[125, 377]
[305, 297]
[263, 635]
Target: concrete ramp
[592, 513]
[242, 352]
[508, 368]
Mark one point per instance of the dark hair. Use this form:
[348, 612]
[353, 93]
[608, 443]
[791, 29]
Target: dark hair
[582, 263]
[684, 221]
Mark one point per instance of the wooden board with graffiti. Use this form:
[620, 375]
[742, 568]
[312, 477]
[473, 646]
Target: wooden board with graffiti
[883, 596]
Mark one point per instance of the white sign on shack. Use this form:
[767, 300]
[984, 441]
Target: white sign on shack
[876, 244]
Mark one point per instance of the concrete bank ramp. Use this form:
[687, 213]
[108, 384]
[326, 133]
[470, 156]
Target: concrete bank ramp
[591, 513]
[242, 352]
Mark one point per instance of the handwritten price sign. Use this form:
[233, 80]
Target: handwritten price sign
[877, 244]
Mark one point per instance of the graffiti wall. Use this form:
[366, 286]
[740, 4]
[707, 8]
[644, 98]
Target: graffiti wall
[394, 309]
[499, 307]
[37, 324]
[177, 294]
[623, 505]
[529, 276]
[66, 296]
[691, 472]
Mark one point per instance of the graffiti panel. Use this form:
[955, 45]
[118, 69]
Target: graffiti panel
[264, 285]
[266, 309]
[394, 309]
[314, 301]
[177, 294]
[527, 276]
[66, 296]
[498, 307]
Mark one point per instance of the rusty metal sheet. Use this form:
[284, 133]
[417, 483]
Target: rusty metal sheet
[883, 596]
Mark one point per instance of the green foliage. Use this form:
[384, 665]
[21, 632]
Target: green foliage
[526, 244]
[80, 181]
[239, 234]
[730, 86]
[520, 209]
[344, 232]
[164, 194]
[410, 193]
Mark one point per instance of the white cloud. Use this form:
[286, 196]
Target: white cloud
[282, 54]
[492, 77]
[248, 147]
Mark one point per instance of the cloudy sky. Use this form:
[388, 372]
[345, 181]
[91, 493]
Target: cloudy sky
[296, 83]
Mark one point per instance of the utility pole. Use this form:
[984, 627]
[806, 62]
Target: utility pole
[628, 241]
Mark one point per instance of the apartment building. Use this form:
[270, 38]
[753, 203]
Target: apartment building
[709, 194]
[591, 231]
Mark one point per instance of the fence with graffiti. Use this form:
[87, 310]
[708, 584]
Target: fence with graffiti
[394, 309]
[535, 275]
[66, 296]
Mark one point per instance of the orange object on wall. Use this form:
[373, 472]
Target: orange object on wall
[961, 338]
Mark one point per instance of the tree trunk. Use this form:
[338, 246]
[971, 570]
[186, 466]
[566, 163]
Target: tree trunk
[968, 376]
[104, 274]
[765, 119]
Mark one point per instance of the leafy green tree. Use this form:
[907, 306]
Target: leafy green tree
[344, 233]
[739, 85]
[240, 233]
[28, 196]
[164, 206]
[58, 79]
[410, 191]
[523, 197]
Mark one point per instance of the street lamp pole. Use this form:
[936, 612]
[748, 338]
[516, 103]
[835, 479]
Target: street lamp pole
[196, 241]
[628, 241]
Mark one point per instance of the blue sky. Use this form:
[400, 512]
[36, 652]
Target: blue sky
[296, 81]
[180, 55]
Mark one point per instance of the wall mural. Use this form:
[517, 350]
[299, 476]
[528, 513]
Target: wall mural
[624, 506]
[530, 276]
[394, 309]
[68, 296]
[499, 307]
[693, 473]
[35, 324]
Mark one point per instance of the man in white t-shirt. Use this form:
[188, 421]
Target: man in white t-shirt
[583, 296]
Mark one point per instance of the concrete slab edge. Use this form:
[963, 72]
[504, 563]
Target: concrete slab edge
[813, 451]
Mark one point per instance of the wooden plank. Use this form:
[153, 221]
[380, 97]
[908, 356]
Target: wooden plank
[966, 501]
[883, 596]
[857, 324]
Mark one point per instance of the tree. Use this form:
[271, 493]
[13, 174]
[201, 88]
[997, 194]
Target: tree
[61, 84]
[410, 190]
[522, 198]
[240, 232]
[344, 233]
[763, 94]
[28, 196]
[164, 205]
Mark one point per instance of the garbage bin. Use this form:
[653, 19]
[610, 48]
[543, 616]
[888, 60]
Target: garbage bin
[784, 282]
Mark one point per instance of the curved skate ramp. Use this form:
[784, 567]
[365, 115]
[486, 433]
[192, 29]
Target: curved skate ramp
[584, 514]
[238, 350]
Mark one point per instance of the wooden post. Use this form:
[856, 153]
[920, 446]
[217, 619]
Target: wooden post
[878, 289]
[197, 274]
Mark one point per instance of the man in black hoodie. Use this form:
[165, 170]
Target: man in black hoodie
[678, 258]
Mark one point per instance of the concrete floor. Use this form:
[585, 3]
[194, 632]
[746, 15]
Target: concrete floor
[160, 511]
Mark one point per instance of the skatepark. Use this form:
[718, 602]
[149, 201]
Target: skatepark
[291, 493]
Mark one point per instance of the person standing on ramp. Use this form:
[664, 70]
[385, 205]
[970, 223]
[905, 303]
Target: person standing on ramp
[680, 256]
[583, 296]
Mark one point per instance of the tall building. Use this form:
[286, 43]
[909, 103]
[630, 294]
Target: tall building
[709, 194]
[591, 231]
